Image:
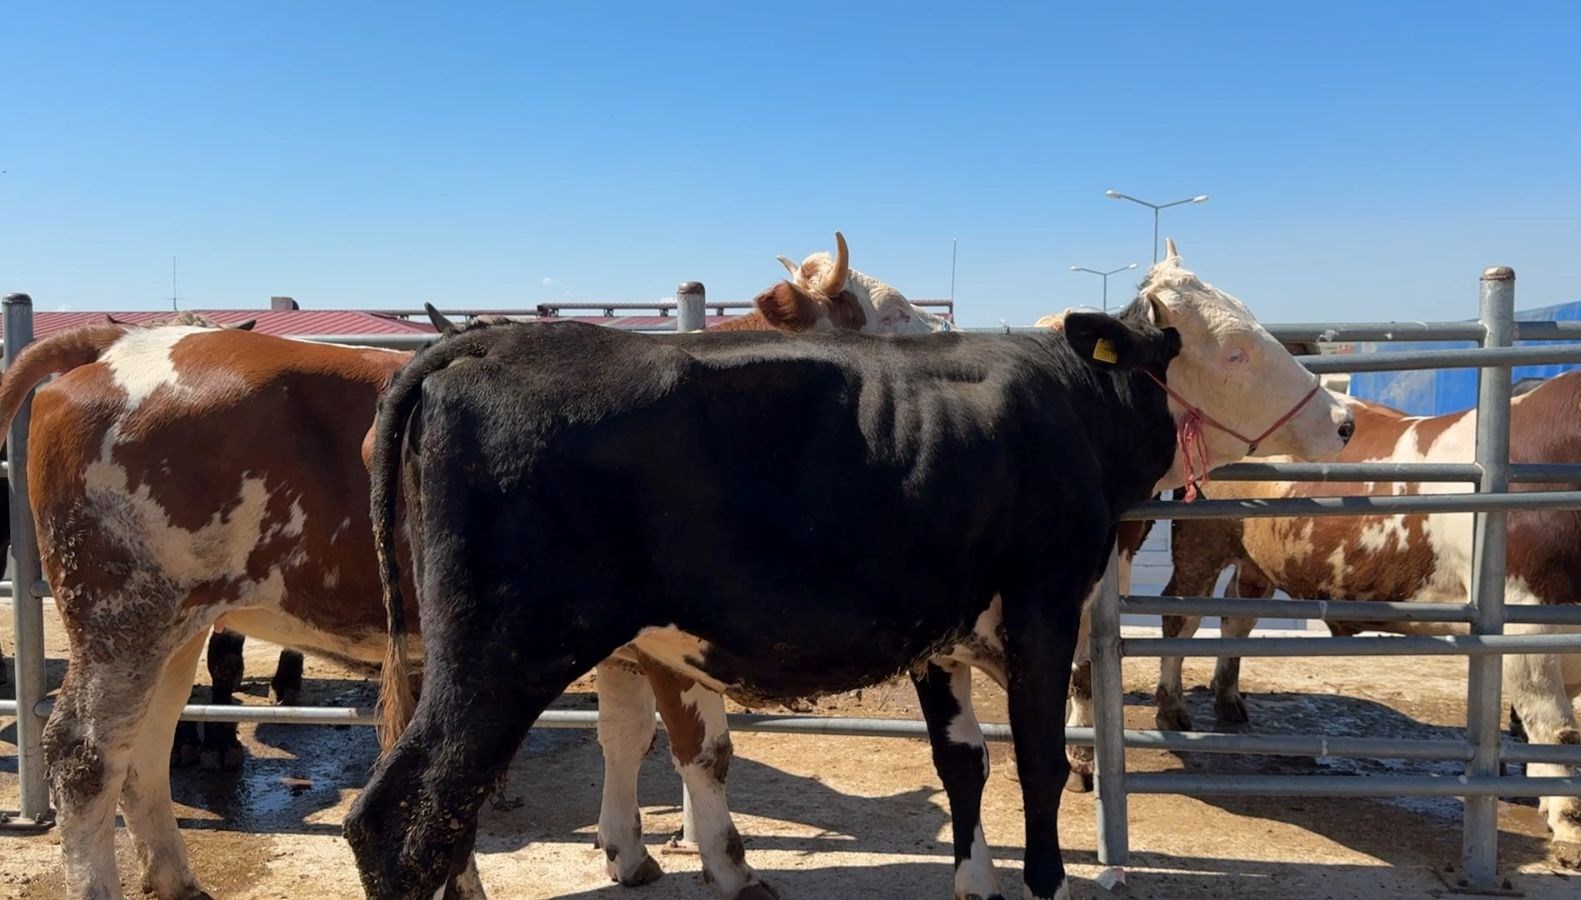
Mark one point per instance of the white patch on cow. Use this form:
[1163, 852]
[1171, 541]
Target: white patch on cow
[140, 360]
[331, 578]
[345, 525]
[974, 877]
[440, 894]
[1387, 533]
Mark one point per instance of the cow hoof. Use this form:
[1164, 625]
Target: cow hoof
[1230, 710]
[1078, 783]
[759, 891]
[647, 873]
[227, 760]
[1565, 854]
[1172, 718]
[183, 756]
[286, 696]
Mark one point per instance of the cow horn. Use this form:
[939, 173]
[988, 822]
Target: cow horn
[1169, 249]
[789, 266]
[441, 324]
[244, 326]
[834, 283]
[112, 320]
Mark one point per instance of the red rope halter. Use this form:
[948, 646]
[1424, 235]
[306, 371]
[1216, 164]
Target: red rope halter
[1189, 436]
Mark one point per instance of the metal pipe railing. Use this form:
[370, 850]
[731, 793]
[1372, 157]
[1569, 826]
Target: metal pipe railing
[1317, 645]
[1393, 472]
[1303, 507]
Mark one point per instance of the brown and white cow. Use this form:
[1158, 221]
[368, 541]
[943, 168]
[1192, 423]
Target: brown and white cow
[1422, 558]
[183, 476]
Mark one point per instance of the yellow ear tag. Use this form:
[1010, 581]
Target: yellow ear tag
[1103, 351]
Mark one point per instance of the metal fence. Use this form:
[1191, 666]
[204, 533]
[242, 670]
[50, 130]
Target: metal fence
[1482, 750]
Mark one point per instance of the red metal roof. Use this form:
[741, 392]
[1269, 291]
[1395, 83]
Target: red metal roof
[279, 322]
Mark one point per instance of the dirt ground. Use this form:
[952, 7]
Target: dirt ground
[828, 817]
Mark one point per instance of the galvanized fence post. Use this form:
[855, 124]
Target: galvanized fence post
[691, 311]
[690, 315]
[1484, 684]
[1108, 719]
[27, 604]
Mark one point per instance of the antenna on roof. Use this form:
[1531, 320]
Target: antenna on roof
[174, 300]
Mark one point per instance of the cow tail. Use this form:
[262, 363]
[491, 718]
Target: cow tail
[396, 701]
[50, 356]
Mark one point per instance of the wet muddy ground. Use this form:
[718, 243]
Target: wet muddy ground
[837, 817]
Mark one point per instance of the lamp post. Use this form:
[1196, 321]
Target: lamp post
[1105, 277]
[1155, 207]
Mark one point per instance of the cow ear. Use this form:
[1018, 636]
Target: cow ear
[1106, 342]
[787, 307]
[245, 326]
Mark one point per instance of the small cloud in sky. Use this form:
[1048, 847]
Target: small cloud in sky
[64, 307]
[548, 282]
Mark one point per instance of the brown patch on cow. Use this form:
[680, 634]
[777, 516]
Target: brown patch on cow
[734, 847]
[715, 760]
[787, 307]
[752, 321]
[846, 312]
[76, 768]
[681, 719]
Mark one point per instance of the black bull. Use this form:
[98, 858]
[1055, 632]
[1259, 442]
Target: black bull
[820, 513]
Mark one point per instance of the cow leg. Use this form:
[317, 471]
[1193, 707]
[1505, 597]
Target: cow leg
[1536, 683]
[412, 830]
[625, 733]
[944, 690]
[88, 747]
[700, 747]
[1228, 705]
[286, 685]
[1078, 712]
[221, 749]
[145, 794]
[1040, 631]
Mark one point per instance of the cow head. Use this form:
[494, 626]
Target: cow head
[884, 309]
[1235, 372]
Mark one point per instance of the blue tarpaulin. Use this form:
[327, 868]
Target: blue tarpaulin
[1433, 392]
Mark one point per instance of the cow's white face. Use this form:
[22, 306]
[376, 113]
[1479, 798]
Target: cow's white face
[1236, 372]
[886, 310]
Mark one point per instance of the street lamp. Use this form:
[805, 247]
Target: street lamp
[1105, 276]
[1155, 207]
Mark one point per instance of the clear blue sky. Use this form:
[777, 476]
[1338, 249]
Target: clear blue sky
[1364, 160]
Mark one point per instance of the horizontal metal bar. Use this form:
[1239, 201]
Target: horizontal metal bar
[1391, 472]
[1382, 332]
[1470, 358]
[1559, 614]
[1406, 645]
[1321, 610]
[1170, 741]
[1289, 507]
[1347, 785]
